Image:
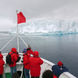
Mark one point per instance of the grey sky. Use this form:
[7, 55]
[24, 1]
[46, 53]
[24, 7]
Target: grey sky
[49, 9]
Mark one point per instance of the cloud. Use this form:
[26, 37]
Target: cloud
[66, 12]
[6, 24]
[34, 9]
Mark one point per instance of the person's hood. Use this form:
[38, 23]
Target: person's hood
[60, 63]
[28, 49]
[36, 54]
[1, 56]
[14, 50]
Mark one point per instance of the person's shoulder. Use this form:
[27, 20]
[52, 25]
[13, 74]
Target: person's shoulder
[54, 66]
[26, 55]
[10, 52]
[40, 58]
[65, 69]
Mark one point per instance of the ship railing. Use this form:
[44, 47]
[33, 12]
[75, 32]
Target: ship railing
[48, 65]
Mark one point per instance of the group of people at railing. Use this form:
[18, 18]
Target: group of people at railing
[30, 63]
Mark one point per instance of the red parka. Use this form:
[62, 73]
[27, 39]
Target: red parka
[14, 57]
[15, 51]
[1, 64]
[30, 51]
[35, 63]
[26, 57]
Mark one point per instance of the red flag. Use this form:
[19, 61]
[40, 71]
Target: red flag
[20, 18]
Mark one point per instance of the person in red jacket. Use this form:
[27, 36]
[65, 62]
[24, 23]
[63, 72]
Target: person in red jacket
[35, 63]
[29, 50]
[14, 58]
[26, 57]
[1, 65]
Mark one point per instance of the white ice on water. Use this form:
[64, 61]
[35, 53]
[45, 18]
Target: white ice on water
[50, 26]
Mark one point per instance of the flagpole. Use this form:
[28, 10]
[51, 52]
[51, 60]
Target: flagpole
[17, 35]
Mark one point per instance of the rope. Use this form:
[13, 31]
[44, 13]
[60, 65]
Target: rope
[7, 43]
[24, 41]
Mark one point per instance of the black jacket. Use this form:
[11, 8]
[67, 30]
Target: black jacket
[57, 70]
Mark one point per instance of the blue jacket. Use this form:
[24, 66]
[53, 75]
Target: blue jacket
[58, 71]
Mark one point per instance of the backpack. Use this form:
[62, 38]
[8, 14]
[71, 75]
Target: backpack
[18, 59]
[8, 59]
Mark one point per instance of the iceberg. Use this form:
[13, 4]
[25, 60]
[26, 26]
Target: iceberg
[49, 27]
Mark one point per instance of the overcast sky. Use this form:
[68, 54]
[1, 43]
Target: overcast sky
[34, 9]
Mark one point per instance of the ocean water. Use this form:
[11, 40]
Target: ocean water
[53, 48]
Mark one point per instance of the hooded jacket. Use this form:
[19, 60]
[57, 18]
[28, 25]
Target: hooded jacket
[14, 50]
[29, 50]
[35, 63]
[26, 57]
[1, 64]
[14, 57]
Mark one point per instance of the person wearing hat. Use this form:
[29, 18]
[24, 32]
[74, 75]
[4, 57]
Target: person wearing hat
[26, 57]
[1, 64]
[59, 69]
[24, 50]
[28, 50]
[14, 58]
[35, 63]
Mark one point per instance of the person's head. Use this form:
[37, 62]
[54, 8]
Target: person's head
[47, 74]
[28, 49]
[24, 50]
[36, 54]
[60, 63]
[14, 50]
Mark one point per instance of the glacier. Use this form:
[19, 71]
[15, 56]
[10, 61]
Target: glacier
[49, 27]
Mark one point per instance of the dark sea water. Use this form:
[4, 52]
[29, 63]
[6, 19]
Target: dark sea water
[53, 48]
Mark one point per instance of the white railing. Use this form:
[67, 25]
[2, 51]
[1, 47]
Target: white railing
[7, 43]
[48, 65]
